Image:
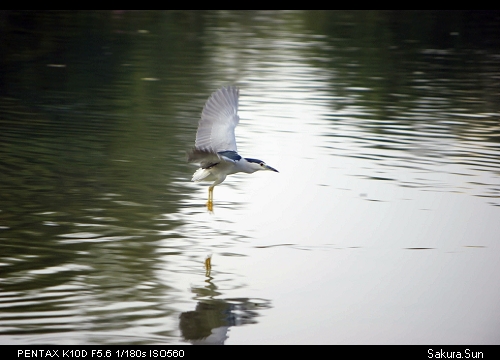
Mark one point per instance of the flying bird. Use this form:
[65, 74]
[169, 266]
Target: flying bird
[215, 147]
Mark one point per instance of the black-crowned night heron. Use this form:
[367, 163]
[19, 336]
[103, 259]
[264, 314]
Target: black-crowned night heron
[215, 147]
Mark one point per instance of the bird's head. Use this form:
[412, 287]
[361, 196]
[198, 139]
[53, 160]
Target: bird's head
[256, 165]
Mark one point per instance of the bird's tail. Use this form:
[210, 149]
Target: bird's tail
[200, 174]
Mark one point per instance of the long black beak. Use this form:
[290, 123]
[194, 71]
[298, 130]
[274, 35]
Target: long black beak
[271, 168]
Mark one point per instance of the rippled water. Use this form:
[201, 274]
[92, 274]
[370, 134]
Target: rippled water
[381, 227]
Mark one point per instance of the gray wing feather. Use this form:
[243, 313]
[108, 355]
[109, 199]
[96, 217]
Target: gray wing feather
[218, 120]
[207, 158]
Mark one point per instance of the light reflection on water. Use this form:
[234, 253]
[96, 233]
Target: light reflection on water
[104, 237]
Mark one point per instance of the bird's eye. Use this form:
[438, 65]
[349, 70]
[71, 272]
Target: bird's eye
[261, 164]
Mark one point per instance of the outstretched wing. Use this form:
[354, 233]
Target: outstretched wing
[218, 121]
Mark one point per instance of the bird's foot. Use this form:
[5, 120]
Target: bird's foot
[210, 205]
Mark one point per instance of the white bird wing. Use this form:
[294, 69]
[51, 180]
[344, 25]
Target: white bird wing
[218, 120]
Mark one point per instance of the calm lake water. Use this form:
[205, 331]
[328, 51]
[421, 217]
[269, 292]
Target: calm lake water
[381, 227]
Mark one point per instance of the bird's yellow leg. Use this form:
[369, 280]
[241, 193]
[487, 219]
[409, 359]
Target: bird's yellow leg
[210, 203]
[208, 265]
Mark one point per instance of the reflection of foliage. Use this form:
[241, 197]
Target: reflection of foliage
[435, 29]
[95, 48]
[30, 34]
[432, 57]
